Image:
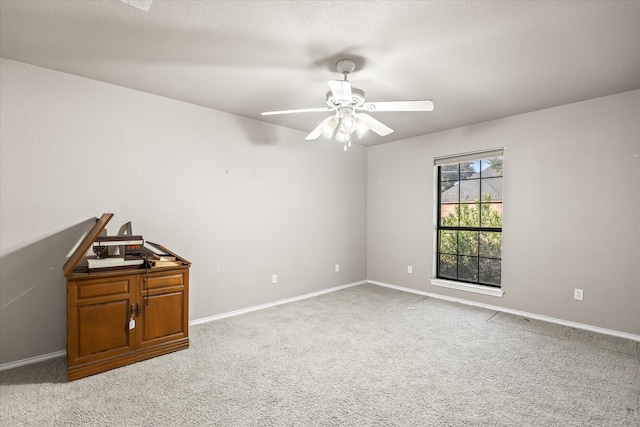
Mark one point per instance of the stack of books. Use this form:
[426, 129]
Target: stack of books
[129, 252]
[163, 261]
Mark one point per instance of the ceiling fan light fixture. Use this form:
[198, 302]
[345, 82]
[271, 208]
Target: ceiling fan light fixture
[329, 127]
[342, 137]
[347, 125]
[347, 121]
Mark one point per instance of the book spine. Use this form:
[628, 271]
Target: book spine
[118, 239]
[117, 242]
[114, 268]
[113, 262]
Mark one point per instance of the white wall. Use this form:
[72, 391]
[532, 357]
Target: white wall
[571, 213]
[239, 198]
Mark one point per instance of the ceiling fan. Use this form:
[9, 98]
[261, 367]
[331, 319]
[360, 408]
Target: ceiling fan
[348, 104]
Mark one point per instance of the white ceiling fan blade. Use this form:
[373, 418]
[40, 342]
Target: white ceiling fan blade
[300, 110]
[341, 90]
[425, 105]
[321, 128]
[373, 124]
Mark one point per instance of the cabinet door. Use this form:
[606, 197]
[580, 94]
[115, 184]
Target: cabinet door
[164, 318]
[99, 311]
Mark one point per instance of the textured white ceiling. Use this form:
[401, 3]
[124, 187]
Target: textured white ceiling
[477, 60]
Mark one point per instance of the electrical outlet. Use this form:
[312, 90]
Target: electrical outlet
[337, 267]
[274, 278]
[410, 269]
[578, 294]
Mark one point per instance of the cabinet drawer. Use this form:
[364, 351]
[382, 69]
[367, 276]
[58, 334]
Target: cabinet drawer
[165, 281]
[85, 290]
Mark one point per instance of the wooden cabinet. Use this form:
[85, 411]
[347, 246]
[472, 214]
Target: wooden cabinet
[115, 318]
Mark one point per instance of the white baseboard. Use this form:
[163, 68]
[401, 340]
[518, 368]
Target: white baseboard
[273, 304]
[30, 360]
[514, 312]
[42, 358]
[63, 353]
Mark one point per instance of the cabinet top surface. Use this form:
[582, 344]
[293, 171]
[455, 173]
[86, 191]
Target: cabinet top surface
[83, 274]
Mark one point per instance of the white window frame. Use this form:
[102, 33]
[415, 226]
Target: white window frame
[452, 284]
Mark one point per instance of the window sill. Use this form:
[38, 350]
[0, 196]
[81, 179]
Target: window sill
[468, 287]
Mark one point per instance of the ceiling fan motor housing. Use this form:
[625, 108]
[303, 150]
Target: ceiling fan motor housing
[357, 99]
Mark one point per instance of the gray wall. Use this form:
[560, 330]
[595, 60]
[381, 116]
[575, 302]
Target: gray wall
[571, 213]
[243, 199]
[239, 198]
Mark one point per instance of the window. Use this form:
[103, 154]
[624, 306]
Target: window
[469, 230]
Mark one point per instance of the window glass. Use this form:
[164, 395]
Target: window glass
[468, 268]
[448, 242]
[490, 271]
[490, 244]
[468, 243]
[450, 173]
[448, 266]
[470, 220]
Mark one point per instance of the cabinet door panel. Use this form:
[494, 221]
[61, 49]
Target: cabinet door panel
[98, 313]
[103, 328]
[163, 316]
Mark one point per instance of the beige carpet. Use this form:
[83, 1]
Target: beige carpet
[362, 356]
